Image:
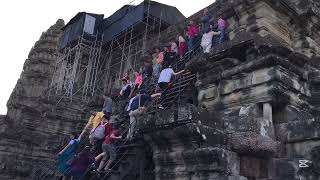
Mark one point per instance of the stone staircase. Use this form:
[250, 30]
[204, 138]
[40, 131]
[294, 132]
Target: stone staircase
[129, 165]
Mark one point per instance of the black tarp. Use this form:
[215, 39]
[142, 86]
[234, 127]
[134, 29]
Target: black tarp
[118, 22]
[127, 16]
[75, 27]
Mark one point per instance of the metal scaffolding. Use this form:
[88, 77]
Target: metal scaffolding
[91, 67]
[73, 63]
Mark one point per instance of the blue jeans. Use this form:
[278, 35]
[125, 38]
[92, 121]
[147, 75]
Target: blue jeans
[222, 34]
[190, 43]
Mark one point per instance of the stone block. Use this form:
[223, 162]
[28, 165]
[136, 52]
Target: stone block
[262, 76]
[303, 150]
[213, 136]
[302, 129]
[217, 159]
[282, 169]
[253, 167]
[208, 92]
[236, 178]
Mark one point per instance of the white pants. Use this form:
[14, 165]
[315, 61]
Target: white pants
[133, 121]
[206, 47]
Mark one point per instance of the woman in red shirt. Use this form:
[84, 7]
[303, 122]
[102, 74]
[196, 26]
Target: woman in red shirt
[109, 148]
[192, 33]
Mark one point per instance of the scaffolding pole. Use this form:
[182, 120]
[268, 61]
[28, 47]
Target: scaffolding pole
[146, 30]
[159, 32]
[123, 54]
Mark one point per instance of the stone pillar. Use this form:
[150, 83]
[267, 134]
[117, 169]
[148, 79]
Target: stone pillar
[266, 126]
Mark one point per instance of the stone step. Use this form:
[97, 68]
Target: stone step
[129, 146]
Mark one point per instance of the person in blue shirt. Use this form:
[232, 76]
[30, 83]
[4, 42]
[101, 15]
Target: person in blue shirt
[67, 154]
[137, 107]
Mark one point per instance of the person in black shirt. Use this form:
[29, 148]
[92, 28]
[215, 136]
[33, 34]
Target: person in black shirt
[168, 58]
[147, 68]
[137, 107]
[126, 89]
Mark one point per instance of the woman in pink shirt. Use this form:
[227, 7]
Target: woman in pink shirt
[160, 56]
[137, 82]
[192, 33]
[221, 28]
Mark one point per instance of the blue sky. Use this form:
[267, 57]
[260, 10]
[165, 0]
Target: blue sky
[23, 21]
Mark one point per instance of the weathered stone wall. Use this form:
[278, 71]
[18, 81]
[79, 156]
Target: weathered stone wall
[257, 99]
[34, 128]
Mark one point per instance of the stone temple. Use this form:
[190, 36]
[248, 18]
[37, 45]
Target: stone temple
[249, 110]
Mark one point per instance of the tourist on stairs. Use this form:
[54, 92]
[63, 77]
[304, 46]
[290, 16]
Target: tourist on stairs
[160, 55]
[137, 107]
[182, 46]
[206, 21]
[158, 63]
[137, 82]
[164, 80]
[221, 28]
[192, 33]
[173, 47]
[109, 149]
[126, 89]
[168, 57]
[94, 120]
[81, 162]
[147, 68]
[66, 155]
[97, 134]
[107, 105]
[129, 75]
[206, 41]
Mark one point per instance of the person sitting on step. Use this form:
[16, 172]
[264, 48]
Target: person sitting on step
[137, 107]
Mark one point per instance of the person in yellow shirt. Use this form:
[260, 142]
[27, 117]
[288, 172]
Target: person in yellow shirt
[93, 122]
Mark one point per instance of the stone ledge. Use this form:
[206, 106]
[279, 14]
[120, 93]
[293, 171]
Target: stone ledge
[298, 130]
[253, 143]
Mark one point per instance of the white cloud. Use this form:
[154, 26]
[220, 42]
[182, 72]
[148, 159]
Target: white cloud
[22, 23]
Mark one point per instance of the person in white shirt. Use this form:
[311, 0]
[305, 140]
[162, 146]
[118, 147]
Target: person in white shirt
[206, 41]
[164, 80]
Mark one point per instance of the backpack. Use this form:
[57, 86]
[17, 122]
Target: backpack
[99, 131]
